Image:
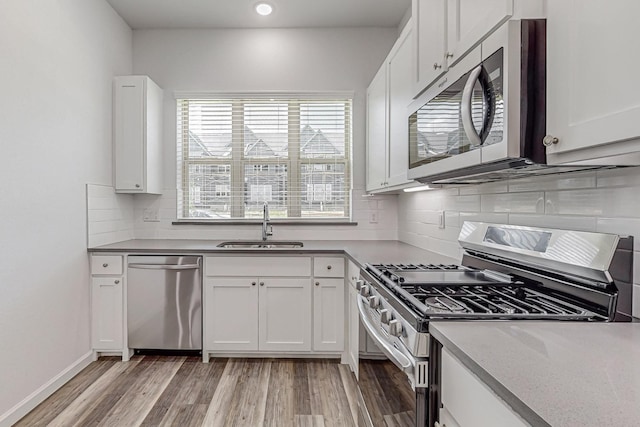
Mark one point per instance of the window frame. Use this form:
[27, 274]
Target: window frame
[237, 163]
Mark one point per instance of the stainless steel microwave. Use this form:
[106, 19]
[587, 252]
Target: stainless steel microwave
[485, 118]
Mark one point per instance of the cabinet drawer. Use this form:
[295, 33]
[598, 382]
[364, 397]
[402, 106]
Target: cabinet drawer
[328, 267]
[106, 264]
[258, 266]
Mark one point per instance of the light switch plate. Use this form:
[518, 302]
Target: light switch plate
[150, 215]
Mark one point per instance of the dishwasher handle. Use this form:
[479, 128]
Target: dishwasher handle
[165, 266]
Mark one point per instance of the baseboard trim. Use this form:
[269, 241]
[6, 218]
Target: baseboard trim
[37, 397]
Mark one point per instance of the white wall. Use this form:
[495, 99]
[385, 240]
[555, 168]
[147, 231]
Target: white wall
[264, 60]
[57, 59]
[605, 201]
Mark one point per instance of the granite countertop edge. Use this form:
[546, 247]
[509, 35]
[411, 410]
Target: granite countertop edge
[358, 251]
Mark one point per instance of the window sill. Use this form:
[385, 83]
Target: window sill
[254, 222]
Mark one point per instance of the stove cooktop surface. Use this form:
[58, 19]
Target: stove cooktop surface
[452, 291]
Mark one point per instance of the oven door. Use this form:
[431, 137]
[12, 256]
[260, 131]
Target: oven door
[387, 394]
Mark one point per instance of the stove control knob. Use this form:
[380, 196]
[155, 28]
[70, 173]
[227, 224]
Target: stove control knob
[374, 302]
[395, 328]
[364, 290]
[359, 284]
[385, 316]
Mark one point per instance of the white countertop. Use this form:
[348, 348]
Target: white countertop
[564, 374]
[360, 251]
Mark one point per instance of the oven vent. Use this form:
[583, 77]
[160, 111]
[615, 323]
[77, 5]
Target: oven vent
[422, 374]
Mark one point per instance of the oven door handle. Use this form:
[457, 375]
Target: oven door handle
[398, 359]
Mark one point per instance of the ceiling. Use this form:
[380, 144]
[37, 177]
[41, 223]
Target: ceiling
[147, 14]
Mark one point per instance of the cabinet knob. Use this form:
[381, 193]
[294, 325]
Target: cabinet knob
[253, 283]
[261, 283]
[137, 185]
[116, 281]
[436, 66]
[328, 267]
[317, 283]
[448, 55]
[105, 265]
[549, 140]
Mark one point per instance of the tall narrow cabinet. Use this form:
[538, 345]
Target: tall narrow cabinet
[137, 118]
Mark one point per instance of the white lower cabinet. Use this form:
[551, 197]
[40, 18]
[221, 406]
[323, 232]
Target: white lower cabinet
[232, 313]
[274, 304]
[328, 314]
[353, 317]
[468, 402]
[107, 303]
[354, 330]
[284, 315]
[254, 313]
[107, 313]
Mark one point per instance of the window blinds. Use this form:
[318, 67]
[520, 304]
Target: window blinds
[236, 153]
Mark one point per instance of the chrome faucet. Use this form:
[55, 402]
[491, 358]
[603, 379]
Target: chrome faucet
[267, 229]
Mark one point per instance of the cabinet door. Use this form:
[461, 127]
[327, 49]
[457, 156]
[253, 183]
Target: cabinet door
[107, 313]
[400, 96]
[231, 306]
[129, 133]
[470, 402]
[470, 21]
[354, 329]
[328, 314]
[377, 131]
[592, 93]
[285, 315]
[429, 42]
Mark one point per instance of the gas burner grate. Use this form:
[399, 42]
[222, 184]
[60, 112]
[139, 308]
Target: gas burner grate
[487, 301]
[416, 267]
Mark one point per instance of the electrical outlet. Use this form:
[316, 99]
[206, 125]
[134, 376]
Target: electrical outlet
[441, 219]
[373, 217]
[150, 215]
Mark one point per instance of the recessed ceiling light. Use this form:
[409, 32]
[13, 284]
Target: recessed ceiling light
[264, 9]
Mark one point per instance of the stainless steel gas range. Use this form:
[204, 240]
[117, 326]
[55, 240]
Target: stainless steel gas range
[507, 272]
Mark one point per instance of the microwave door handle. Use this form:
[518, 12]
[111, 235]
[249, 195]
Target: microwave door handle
[467, 119]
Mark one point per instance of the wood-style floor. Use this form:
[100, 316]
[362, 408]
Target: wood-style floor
[183, 391]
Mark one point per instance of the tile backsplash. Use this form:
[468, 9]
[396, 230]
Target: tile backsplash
[109, 215]
[115, 217]
[604, 201]
[384, 228]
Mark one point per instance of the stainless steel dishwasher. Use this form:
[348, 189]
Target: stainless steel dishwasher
[164, 302]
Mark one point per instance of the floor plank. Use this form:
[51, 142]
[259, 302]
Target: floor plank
[280, 404]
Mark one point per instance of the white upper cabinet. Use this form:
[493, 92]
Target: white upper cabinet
[137, 116]
[377, 131]
[470, 21]
[430, 30]
[400, 75]
[447, 30]
[388, 98]
[593, 95]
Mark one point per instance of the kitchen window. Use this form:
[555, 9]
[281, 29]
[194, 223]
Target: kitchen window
[235, 153]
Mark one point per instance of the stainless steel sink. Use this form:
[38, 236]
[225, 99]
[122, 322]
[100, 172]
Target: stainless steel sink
[273, 244]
